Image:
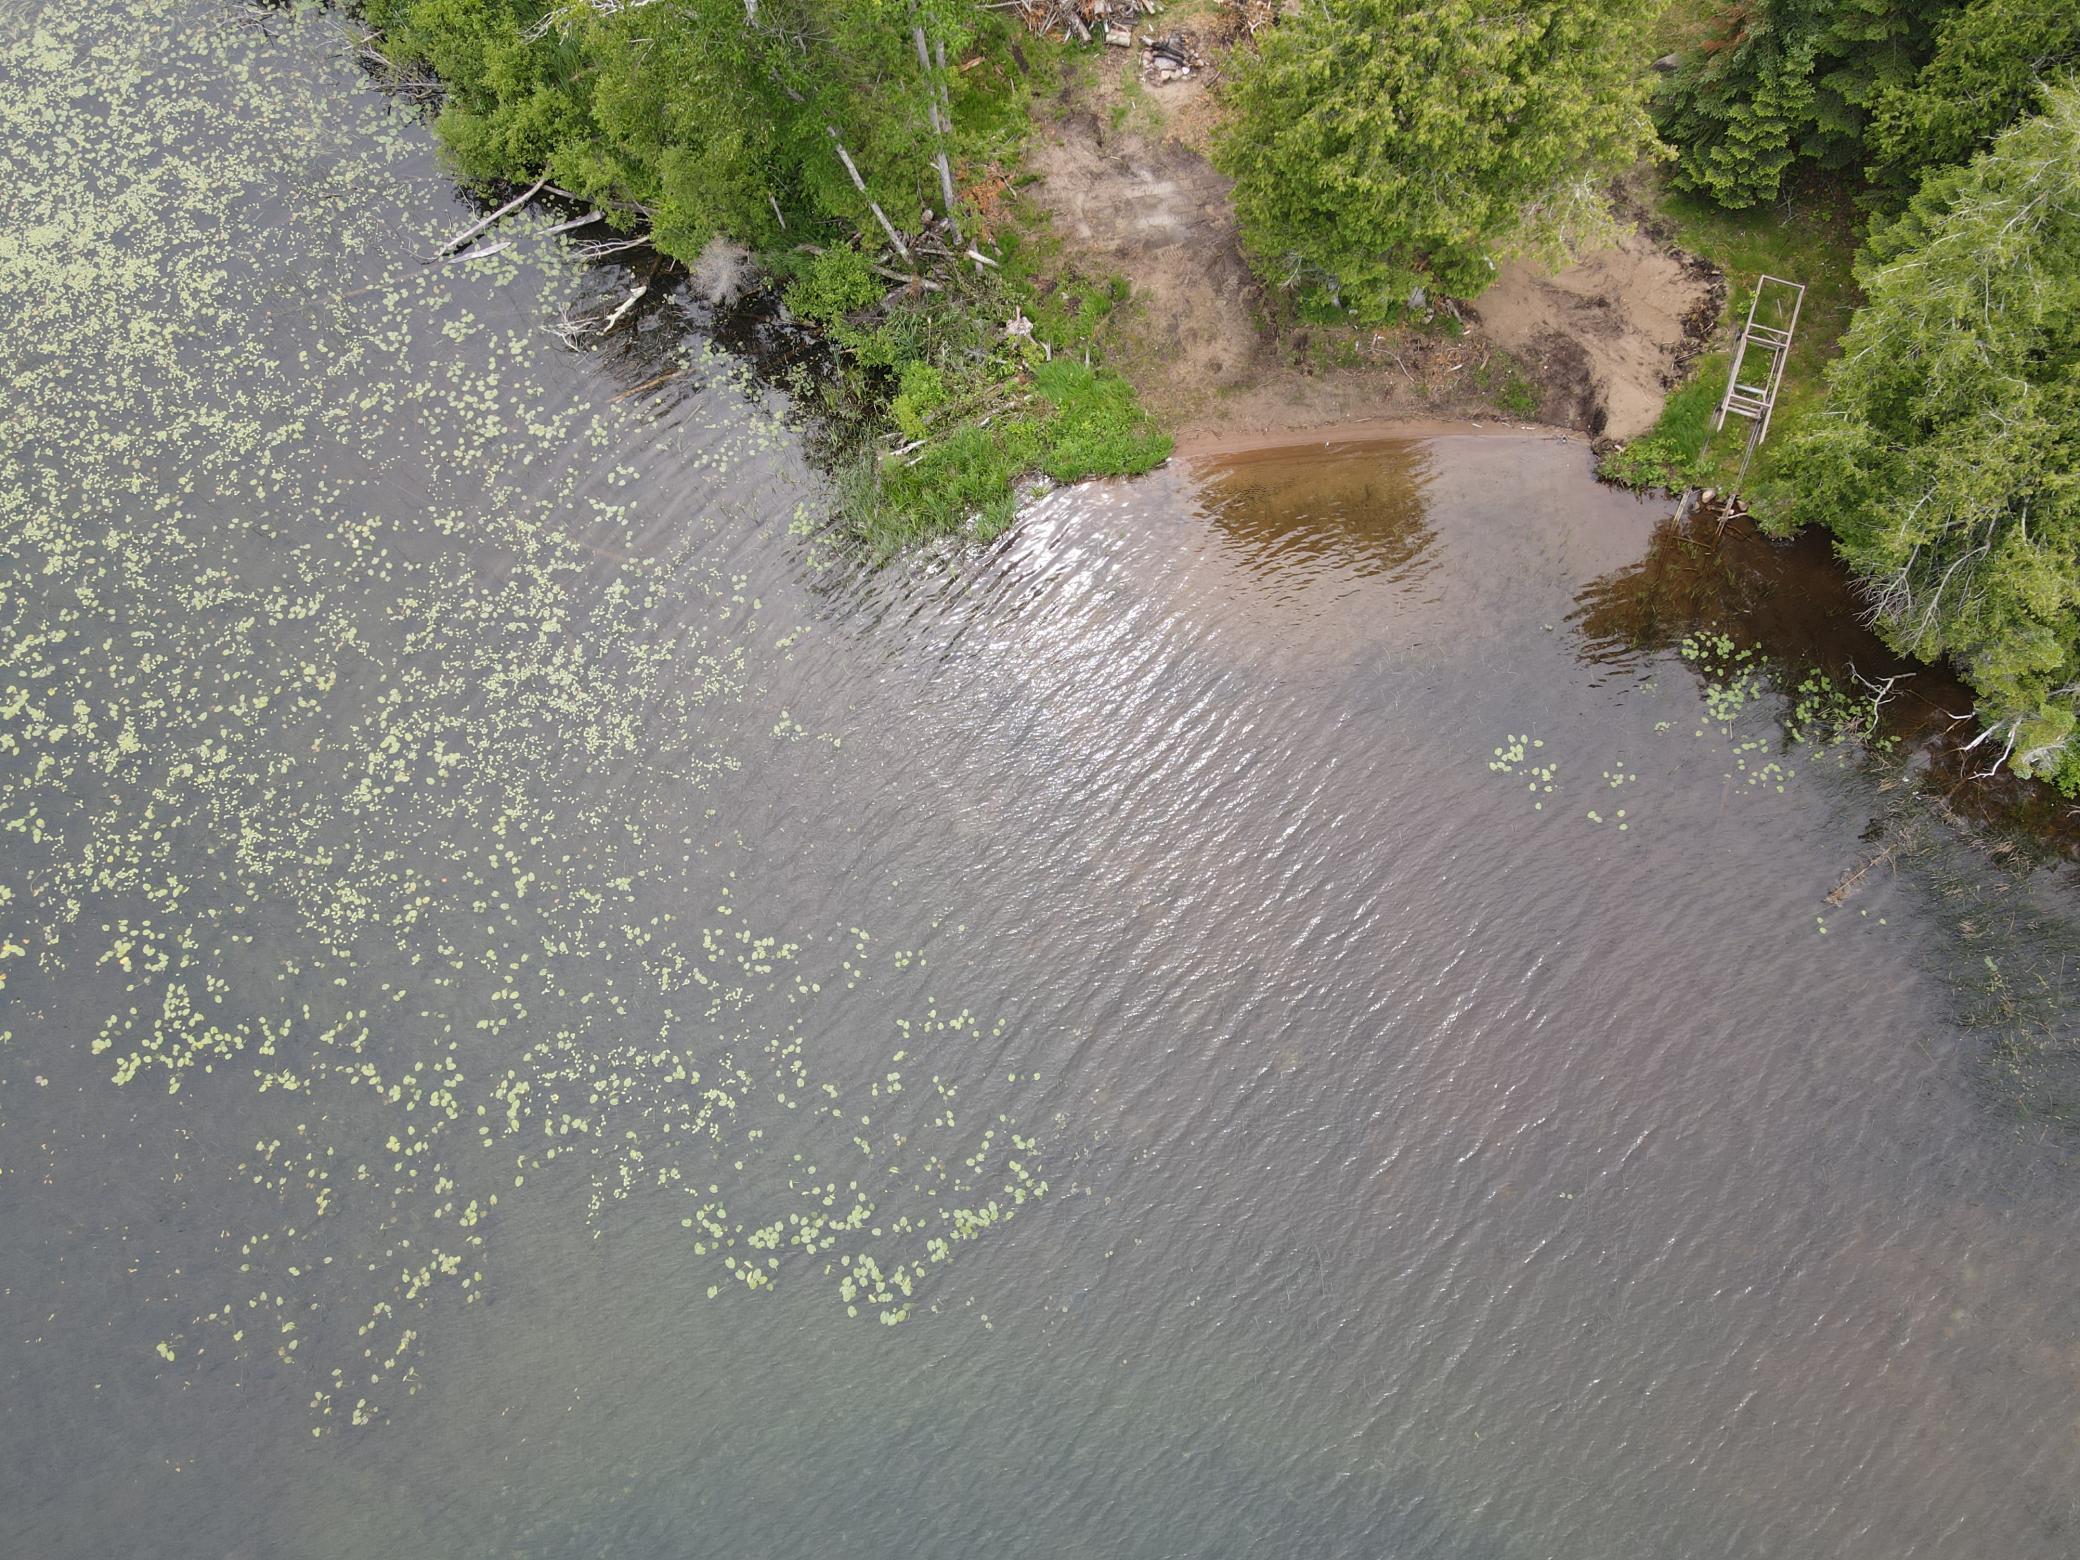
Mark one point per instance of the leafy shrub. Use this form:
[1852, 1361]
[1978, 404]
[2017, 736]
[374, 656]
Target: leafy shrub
[921, 391]
[833, 285]
[1651, 461]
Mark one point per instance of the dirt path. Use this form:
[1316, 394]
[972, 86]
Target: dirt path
[1593, 349]
[1157, 213]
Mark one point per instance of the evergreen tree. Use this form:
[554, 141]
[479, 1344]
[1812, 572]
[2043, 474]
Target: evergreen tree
[1948, 464]
[1991, 58]
[1380, 146]
[1785, 80]
[717, 116]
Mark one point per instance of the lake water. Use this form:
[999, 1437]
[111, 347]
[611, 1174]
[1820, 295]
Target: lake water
[1278, 1010]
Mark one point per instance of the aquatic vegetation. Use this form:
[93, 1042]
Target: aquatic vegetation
[1767, 730]
[361, 743]
[1511, 759]
[1817, 716]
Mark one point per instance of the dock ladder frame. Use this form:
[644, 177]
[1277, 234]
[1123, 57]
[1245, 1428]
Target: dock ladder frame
[1755, 397]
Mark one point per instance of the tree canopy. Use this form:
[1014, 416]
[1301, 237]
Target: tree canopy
[1947, 464]
[1379, 146]
[1990, 60]
[717, 116]
[1784, 80]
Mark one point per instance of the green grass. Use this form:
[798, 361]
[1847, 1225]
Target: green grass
[942, 418]
[1811, 236]
[1136, 107]
[1057, 419]
[1672, 453]
[1499, 377]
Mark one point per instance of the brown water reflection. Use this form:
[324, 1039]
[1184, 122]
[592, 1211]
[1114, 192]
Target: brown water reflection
[1308, 516]
[1793, 599]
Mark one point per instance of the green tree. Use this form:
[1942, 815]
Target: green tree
[1784, 80]
[715, 116]
[1948, 462]
[1383, 145]
[1990, 60]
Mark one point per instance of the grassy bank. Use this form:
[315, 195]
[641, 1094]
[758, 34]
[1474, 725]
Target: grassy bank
[946, 405]
[1810, 237]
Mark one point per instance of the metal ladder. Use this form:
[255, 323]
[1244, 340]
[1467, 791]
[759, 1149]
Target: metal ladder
[1747, 397]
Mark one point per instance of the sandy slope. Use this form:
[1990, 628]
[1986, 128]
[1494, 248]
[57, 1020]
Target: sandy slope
[1601, 342]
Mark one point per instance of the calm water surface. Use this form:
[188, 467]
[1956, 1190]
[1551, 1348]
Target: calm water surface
[1273, 1012]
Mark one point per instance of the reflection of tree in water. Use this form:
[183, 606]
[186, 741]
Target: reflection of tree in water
[1789, 598]
[1982, 854]
[1357, 513]
[1794, 604]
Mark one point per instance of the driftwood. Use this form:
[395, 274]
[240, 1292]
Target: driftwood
[508, 208]
[1853, 879]
[481, 252]
[587, 220]
[664, 378]
[627, 303]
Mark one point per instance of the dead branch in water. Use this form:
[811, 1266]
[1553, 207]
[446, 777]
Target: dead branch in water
[481, 252]
[1853, 880]
[627, 303]
[662, 379]
[600, 248]
[587, 220]
[1880, 692]
[413, 83]
[510, 206]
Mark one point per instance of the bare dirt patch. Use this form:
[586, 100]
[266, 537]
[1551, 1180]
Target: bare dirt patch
[1158, 214]
[1607, 338]
[1124, 178]
[1197, 338]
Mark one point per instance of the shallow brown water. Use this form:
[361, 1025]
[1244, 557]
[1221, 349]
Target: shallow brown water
[1431, 1168]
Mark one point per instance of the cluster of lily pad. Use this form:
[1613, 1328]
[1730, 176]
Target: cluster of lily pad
[1513, 759]
[359, 738]
[1817, 717]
